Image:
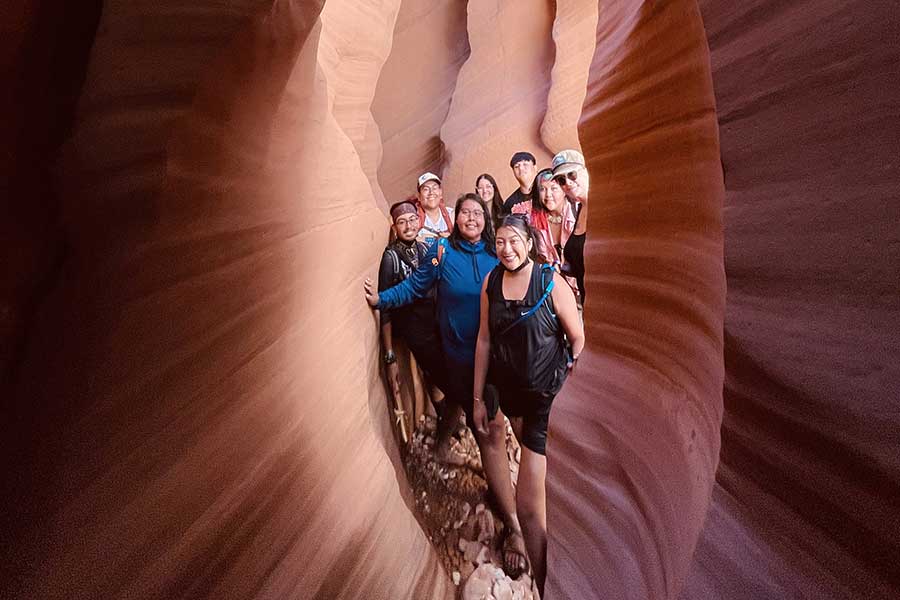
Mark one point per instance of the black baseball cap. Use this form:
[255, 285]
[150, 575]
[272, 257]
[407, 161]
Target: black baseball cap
[520, 156]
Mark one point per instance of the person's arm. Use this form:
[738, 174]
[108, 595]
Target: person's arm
[567, 311]
[482, 362]
[387, 275]
[390, 359]
[581, 221]
[414, 286]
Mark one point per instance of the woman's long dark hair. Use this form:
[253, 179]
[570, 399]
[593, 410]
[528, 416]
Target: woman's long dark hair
[487, 235]
[496, 202]
[536, 203]
[523, 228]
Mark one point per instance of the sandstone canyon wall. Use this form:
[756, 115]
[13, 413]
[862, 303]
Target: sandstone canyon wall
[809, 479]
[205, 417]
[634, 444]
[195, 406]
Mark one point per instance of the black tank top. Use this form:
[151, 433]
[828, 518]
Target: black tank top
[531, 355]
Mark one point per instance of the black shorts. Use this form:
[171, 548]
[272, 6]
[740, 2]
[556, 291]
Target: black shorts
[460, 380]
[426, 347]
[533, 407]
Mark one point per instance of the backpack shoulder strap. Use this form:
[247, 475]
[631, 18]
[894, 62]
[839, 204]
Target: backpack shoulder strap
[441, 249]
[525, 315]
[395, 264]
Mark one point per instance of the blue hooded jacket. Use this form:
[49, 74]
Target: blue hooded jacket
[458, 277]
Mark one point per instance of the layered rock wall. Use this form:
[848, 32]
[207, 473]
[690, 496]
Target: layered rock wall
[634, 439]
[808, 481]
[196, 408]
[211, 421]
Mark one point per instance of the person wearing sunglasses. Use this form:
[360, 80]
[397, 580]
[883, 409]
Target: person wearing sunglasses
[454, 268]
[526, 309]
[571, 174]
[554, 218]
[414, 324]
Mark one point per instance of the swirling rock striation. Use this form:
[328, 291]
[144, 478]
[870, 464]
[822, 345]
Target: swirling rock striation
[196, 408]
[634, 438]
[808, 482]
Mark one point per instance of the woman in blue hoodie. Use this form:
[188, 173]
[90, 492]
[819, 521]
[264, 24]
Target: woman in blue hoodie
[456, 268]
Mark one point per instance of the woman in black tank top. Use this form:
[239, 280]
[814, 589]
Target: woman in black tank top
[528, 319]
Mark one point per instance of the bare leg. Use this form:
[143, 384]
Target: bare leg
[516, 423]
[496, 469]
[448, 422]
[531, 502]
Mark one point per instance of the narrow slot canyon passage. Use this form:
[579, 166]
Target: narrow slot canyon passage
[194, 397]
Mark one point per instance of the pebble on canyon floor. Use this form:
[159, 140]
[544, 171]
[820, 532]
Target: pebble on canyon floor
[451, 504]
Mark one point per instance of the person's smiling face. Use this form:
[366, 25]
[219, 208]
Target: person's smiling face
[430, 195]
[512, 248]
[577, 183]
[470, 220]
[552, 195]
[406, 226]
[485, 190]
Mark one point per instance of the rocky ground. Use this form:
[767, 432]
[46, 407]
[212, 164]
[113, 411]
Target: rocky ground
[456, 514]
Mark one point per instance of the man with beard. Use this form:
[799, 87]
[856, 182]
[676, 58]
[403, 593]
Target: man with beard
[415, 324]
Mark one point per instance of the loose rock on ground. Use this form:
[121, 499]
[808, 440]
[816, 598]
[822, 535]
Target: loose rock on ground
[455, 512]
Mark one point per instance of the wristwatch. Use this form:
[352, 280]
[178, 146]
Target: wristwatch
[389, 357]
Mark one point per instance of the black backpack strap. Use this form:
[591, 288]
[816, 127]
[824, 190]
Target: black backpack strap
[395, 265]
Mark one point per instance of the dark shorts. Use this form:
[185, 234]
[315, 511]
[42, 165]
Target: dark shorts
[533, 407]
[426, 347]
[460, 379]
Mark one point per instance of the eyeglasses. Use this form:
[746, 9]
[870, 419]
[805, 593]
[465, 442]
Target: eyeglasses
[472, 212]
[571, 176]
[413, 220]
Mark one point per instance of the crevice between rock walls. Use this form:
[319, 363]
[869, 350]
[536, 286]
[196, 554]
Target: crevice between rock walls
[500, 98]
[414, 91]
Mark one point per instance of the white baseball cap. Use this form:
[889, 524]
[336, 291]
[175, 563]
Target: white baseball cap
[426, 177]
[567, 160]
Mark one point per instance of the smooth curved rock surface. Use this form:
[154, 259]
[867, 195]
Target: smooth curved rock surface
[415, 90]
[209, 438]
[574, 36]
[808, 490]
[634, 439]
[190, 418]
[501, 94]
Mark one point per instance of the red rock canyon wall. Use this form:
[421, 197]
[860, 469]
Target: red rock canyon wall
[195, 407]
[807, 488]
[634, 442]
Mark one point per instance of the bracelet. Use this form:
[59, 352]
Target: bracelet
[389, 357]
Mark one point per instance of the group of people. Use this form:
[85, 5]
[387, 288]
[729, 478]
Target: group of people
[487, 295]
